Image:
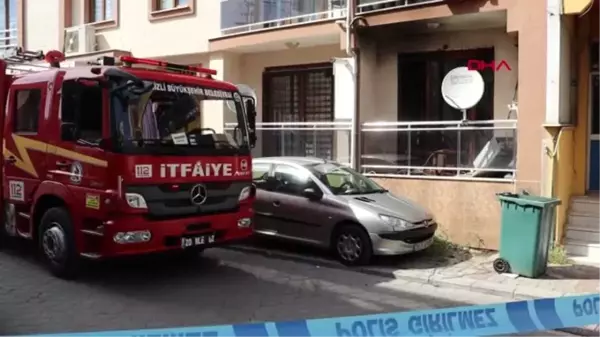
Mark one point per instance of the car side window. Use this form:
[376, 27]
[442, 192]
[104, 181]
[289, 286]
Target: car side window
[260, 175]
[290, 180]
[27, 110]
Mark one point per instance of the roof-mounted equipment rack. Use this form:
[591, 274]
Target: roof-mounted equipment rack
[130, 60]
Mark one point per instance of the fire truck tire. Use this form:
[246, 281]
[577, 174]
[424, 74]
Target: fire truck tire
[8, 222]
[57, 243]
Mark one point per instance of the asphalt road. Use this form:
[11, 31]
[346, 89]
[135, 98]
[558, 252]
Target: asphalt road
[223, 287]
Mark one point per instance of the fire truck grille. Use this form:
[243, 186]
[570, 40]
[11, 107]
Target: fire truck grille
[172, 201]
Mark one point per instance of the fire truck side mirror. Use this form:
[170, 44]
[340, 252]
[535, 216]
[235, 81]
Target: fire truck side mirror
[251, 110]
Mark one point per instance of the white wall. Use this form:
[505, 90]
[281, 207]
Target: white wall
[176, 36]
[42, 29]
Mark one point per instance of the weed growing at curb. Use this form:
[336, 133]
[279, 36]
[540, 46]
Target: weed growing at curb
[558, 255]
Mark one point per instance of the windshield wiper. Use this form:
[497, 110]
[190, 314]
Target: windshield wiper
[382, 190]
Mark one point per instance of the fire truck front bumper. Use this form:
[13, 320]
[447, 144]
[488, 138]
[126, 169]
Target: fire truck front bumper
[134, 234]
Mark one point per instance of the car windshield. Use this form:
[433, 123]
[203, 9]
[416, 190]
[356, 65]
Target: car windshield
[342, 180]
[179, 116]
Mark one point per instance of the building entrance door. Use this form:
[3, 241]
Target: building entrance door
[594, 135]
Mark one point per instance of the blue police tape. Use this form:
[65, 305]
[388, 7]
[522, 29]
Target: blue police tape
[479, 320]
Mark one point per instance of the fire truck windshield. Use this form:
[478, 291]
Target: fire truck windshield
[178, 119]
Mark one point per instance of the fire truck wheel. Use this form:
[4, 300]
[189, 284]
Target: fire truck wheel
[8, 225]
[57, 243]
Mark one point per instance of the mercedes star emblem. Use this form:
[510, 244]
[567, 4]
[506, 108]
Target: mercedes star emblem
[198, 194]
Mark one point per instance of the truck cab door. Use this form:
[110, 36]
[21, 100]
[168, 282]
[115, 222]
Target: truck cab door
[76, 159]
[24, 153]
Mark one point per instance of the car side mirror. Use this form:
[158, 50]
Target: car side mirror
[312, 194]
[68, 132]
[251, 111]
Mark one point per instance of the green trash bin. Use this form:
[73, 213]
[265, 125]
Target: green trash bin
[525, 235]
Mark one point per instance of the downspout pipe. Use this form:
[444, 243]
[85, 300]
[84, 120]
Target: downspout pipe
[349, 16]
[554, 64]
[353, 52]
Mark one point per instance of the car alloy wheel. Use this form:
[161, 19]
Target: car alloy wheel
[349, 247]
[352, 244]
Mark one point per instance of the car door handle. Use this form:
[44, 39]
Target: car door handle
[62, 163]
[276, 203]
[11, 160]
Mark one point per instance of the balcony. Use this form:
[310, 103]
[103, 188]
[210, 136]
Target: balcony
[241, 16]
[368, 6]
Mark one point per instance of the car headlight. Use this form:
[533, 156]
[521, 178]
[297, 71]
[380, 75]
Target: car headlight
[135, 200]
[396, 223]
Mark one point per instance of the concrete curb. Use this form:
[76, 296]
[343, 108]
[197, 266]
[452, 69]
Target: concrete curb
[478, 286]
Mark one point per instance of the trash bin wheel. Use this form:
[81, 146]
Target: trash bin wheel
[501, 266]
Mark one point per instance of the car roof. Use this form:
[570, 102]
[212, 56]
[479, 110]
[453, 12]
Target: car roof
[302, 161]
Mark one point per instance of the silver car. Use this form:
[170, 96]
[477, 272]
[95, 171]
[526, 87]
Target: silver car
[326, 204]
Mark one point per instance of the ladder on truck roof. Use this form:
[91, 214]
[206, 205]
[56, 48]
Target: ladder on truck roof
[20, 61]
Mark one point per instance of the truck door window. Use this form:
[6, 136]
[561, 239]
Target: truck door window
[81, 110]
[27, 110]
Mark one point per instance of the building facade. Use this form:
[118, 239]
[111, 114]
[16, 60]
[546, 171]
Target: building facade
[372, 98]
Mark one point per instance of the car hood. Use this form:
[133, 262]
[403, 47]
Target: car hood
[388, 204]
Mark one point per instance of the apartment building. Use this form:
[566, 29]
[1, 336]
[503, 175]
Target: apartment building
[305, 68]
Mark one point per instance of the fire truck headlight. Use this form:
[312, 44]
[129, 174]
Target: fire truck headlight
[246, 193]
[132, 237]
[135, 200]
[244, 223]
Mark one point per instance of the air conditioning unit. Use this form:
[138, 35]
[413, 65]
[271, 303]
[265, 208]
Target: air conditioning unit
[80, 39]
[336, 9]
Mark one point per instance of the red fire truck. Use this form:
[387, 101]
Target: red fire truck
[118, 158]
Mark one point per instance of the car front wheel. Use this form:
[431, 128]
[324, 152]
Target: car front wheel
[352, 245]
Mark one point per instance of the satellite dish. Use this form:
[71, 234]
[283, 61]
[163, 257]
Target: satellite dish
[462, 89]
[246, 92]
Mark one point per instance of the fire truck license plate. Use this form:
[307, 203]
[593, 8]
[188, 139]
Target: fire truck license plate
[197, 240]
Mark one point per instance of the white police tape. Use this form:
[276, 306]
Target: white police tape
[479, 320]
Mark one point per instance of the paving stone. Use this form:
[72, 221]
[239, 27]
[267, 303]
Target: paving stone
[225, 287]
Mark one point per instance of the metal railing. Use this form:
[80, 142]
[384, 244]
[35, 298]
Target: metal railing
[239, 16]
[327, 140]
[9, 39]
[368, 6]
[440, 149]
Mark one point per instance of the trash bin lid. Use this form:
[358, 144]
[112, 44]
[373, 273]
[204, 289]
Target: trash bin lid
[527, 199]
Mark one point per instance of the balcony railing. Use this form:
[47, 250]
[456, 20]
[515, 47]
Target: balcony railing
[239, 16]
[476, 150]
[365, 6]
[8, 40]
[440, 149]
[327, 140]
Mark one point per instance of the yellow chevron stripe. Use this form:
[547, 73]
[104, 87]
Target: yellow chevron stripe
[24, 162]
